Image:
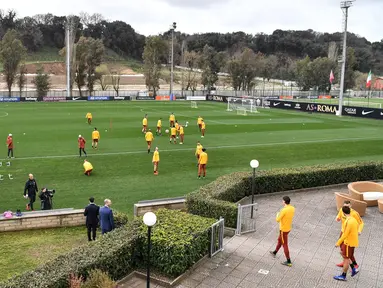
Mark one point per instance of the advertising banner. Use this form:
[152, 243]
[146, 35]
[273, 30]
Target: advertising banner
[120, 98]
[195, 98]
[9, 99]
[98, 98]
[145, 98]
[54, 99]
[29, 99]
[163, 98]
[76, 98]
[216, 98]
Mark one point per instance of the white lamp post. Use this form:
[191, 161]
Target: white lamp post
[150, 220]
[253, 164]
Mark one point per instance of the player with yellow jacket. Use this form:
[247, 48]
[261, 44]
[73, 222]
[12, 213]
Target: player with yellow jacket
[149, 139]
[95, 138]
[156, 160]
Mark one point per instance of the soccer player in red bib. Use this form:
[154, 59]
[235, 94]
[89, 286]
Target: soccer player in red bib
[81, 145]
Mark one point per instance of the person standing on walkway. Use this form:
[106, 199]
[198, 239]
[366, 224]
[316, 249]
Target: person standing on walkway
[30, 191]
[285, 220]
[350, 240]
[106, 217]
[342, 217]
[91, 212]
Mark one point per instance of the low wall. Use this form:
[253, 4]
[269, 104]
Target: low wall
[153, 205]
[43, 219]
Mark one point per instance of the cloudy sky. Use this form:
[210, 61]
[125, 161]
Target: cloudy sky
[197, 16]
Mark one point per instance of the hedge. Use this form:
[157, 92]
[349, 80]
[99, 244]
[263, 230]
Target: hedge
[179, 240]
[218, 198]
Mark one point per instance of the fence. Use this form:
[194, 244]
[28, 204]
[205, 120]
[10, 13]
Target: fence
[245, 222]
[216, 241]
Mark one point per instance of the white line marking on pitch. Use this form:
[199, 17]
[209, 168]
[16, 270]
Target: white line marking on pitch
[209, 148]
[4, 115]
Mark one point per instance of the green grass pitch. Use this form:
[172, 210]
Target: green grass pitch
[123, 170]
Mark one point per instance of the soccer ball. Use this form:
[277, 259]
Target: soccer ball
[167, 131]
[187, 123]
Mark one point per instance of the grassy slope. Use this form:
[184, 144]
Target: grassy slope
[31, 248]
[276, 138]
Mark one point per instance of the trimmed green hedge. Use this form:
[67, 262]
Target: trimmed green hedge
[218, 198]
[179, 240]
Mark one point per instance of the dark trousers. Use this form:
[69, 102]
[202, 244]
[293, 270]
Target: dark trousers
[32, 199]
[10, 152]
[283, 242]
[91, 228]
[81, 150]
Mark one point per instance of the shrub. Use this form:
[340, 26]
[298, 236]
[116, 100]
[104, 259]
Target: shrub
[179, 240]
[218, 198]
[98, 279]
[120, 219]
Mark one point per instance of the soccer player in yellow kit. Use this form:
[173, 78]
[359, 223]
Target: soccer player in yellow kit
[203, 127]
[173, 135]
[95, 138]
[144, 123]
[88, 167]
[202, 162]
[198, 151]
[348, 242]
[177, 128]
[159, 126]
[342, 217]
[182, 134]
[156, 160]
[199, 123]
[89, 117]
[172, 119]
[149, 139]
[285, 220]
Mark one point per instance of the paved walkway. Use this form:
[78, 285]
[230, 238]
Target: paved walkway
[312, 249]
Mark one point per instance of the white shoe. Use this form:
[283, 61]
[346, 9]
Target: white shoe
[1, 178]
[202, 136]
[8, 163]
[10, 176]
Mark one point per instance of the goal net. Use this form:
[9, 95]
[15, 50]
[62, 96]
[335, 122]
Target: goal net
[243, 105]
[193, 104]
[362, 104]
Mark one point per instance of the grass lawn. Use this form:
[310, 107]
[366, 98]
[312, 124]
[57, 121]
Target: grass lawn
[123, 168]
[23, 251]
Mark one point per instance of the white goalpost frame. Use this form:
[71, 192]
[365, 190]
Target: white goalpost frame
[193, 104]
[362, 104]
[240, 104]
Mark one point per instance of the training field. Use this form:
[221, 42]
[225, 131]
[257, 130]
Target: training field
[123, 170]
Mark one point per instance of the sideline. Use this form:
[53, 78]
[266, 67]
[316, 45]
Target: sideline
[210, 148]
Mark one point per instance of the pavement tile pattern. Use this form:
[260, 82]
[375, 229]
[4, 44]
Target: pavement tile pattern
[312, 249]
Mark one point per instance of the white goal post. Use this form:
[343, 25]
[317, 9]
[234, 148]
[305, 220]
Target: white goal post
[243, 104]
[193, 104]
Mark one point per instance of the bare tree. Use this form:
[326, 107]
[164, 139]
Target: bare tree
[116, 77]
[21, 78]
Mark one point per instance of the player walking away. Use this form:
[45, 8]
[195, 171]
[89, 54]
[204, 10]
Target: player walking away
[88, 168]
[149, 139]
[177, 128]
[172, 119]
[182, 134]
[202, 162]
[10, 146]
[199, 123]
[30, 191]
[285, 220]
[156, 160]
[342, 217]
[198, 151]
[173, 135]
[203, 127]
[95, 138]
[159, 125]
[89, 118]
[81, 145]
[145, 123]
[350, 240]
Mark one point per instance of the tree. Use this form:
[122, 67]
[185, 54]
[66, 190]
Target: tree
[349, 77]
[321, 68]
[80, 50]
[42, 82]
[211, 63]
[30, 33]
[21, 78]
[154, 55]
[94, 57]
[303, 74]
[12, 53]
[191, 60]
[102, 75]
[116, 77]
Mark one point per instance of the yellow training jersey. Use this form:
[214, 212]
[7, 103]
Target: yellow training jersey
[203, 125]
[88, 115]
[159, 123]
[87, 166]
[173, 131]
[149, 136]
[95, 135]
[145, 122]
[202, 158]
[353, 214]
[199, 121]
[177, 126]
[285, 218]
[182, 130]
[198, 150]
[172, 118]
[156, 156]
[350, 235]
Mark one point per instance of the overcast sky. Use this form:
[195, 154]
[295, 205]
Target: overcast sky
[197, 16]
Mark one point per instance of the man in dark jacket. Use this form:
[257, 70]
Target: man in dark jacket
[30, 191]
[91, 212]
[106, 217]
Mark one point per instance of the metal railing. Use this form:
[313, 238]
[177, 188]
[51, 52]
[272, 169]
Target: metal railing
[216, 237]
